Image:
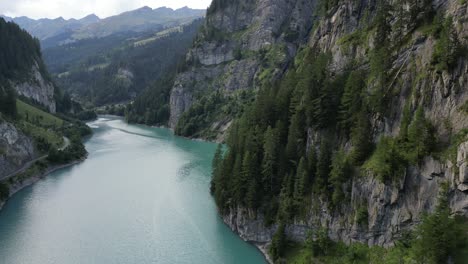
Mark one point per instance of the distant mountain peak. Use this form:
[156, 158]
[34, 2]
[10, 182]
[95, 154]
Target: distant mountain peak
[91, 16]
[90, 19]
[145, 8]
[164, 8]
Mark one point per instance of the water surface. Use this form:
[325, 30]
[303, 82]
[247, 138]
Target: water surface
[142, 196]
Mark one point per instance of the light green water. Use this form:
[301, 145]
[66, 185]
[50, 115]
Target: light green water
[142, 196]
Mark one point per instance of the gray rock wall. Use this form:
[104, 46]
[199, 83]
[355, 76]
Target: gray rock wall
[16, 149]
[391, 208]
[37, 88]
[248, 26]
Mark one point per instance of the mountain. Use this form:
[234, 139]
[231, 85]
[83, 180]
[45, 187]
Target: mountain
[30, 132]
[46, 28]
[236, 52]
[22, 66]
[138, 20]
[89, 19]
[59, 31]
[345, 124]
[116, 68]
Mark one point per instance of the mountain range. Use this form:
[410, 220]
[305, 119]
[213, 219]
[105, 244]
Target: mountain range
[59, 31]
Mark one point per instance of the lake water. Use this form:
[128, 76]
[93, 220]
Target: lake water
[142, 196]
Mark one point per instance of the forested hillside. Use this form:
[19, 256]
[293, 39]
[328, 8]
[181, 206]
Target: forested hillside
[60, 31]
[32, 136]
[350, 138]
[18, 52]
[117, 68]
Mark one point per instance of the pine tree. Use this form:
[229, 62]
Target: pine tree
[323, 167]
[296, 137]
[301, 182]
[239, 178]
[405, 122]
[248, 178]
[216, 167]
[438, 236]
[419, 136]
[351, 101]
[251, 197]
[270, 159]
[361, 138]
[338, 176]
[278, 243]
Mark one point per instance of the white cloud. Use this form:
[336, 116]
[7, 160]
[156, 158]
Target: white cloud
[81, 8]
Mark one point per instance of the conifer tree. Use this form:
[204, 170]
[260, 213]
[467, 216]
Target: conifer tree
[351, 101]
[361, 138]
[338, 176]
[270, 159]
[239, 178]
[323, 167]
[438, 237]
[296, 137]
[216, 167]
[301, 181]
[419, 135]
[278, 243]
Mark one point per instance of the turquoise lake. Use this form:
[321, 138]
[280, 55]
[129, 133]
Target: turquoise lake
[142, 196]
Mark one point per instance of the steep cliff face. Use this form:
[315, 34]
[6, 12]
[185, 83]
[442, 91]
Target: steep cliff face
[22, 66]
[241, 46]
[16, 149]
[37, 88]
[423, 70]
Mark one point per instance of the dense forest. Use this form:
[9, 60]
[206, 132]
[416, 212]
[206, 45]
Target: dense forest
[117, 68]
[18, 52]
[151, 107]
[268, 166]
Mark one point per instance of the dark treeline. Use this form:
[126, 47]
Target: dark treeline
[18, 52]
[8, 101]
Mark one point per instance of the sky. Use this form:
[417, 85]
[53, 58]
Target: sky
[80, 8]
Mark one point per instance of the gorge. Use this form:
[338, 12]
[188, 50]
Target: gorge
[345, 122]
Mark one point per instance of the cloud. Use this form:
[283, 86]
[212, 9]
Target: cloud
[81, 8]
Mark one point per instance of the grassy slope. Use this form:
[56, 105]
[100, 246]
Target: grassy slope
[39, 124]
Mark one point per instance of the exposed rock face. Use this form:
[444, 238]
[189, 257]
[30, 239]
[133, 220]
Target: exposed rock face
[16, 149]
[230, 61]
[37, 88]
[391, 208]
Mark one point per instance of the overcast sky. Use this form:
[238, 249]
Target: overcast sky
[81, 8]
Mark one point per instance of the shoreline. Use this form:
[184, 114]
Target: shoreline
[197, 139]
[261, 247]
[15, 188]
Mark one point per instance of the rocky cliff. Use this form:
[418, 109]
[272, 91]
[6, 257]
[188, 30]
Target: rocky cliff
[16, 149]
[22, 67]
[37, 88]
[421, 45]
[240, 47]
